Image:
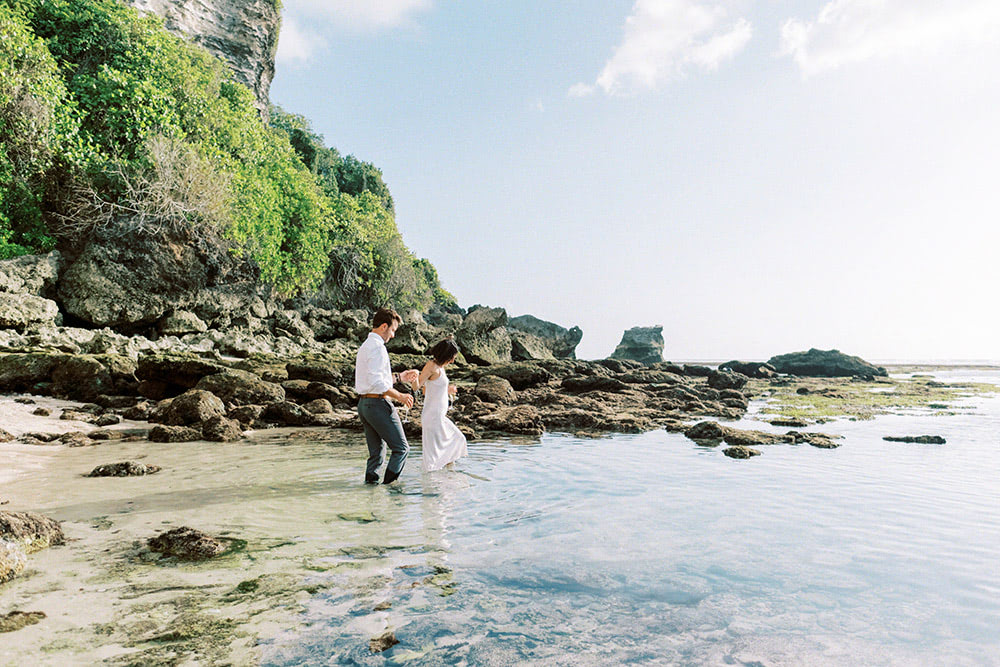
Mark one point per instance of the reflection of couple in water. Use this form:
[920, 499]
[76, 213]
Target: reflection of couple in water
[442, 442]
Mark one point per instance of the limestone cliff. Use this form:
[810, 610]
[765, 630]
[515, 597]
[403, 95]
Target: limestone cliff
[244, 33]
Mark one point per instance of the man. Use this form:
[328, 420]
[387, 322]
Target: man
[373, 380]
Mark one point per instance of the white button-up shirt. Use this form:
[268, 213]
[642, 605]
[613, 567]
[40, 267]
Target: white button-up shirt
[373, 373]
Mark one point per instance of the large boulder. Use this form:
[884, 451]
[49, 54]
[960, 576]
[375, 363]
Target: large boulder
[242, 388]
[85, 377]
[21, 372]
[31, 274]
[176, 371]
[133, 279]
[493, 389]
[560, 342]
[20, 311]
[642, 344]
[526, 347]
[518, 419]
[752, 369]
[193, 407]
[824, 363]
[727, 380]
[483, 336]
[188, 544]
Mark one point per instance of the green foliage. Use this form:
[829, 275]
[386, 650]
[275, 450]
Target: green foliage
[108, 119]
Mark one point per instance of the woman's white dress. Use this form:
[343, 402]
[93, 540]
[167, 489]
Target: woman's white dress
[442, 441]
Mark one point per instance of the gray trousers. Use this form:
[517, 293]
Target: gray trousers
[381, 422]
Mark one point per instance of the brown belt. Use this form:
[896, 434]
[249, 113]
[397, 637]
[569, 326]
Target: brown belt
[372, 395]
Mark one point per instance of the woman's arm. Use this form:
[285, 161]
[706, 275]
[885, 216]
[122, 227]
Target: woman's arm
[425, 374]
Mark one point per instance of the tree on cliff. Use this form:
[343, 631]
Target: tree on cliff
[111, 122]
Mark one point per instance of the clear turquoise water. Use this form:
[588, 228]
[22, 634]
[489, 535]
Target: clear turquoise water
[648, 549]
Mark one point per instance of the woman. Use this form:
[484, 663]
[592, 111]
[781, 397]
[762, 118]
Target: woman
[442, 441]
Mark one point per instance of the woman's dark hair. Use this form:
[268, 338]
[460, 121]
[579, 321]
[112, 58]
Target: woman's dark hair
[444, 351]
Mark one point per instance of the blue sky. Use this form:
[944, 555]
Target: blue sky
[756, 176]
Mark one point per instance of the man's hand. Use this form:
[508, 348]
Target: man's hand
[410, 376]
[400, 397]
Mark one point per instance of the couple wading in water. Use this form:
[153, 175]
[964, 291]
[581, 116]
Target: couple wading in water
[374, 381]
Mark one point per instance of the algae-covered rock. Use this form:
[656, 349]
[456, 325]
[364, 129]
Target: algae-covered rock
[162, 433]
[192, 407]
[12, 560]
[124, 469]
[221, 429]
[188, 544]
[493, 389]
[918, 439]
[740, 452]
[727, 380]
[16, 620]
[383, 642]
[34, 531]
[242, 388]
[518, 419]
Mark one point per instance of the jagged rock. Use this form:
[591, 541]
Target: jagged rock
[33, 531]
[243, 34]
[483, 337]
[221, 429]
[193, 407]
[919, 439]
[188, 544]
[520, 419]
[791, 422]
[16, 620]
[642, 344]
[20, 311]
[321, 370]
[12, 560]
[161, 433]
[124, 469]
[289, 323]
[383, 642]
[85, 377]
[412, 338]
[5, 436]
[821, 440]
[740, 452]
[560, 342]
[286, 412]
[31, 274]
[825, 363]
[21, 372]
[493, 389]
[319, 406]
[752, 369]
[180, 322]
[727, 380]
[527, 347]
[694, 370]
[242, 388]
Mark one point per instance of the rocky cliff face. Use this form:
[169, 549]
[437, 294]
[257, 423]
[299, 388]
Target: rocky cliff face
[244, 33]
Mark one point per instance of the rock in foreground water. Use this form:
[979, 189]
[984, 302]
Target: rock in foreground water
[123, 469]
[12, 560]
[188, 544]
[383, 642]
[16, 620]
[918, 439]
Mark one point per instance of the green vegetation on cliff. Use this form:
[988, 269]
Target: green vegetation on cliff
[108, 121]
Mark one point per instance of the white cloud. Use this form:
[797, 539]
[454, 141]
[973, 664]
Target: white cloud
[663, 40]
[359, 14]
[296, 46]
[851, 31]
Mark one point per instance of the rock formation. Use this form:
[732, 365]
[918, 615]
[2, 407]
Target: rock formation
[824, 363]
[642, 344]
[243, 34]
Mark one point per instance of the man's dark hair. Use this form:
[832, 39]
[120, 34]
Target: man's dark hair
[444, 351]
[385, 316]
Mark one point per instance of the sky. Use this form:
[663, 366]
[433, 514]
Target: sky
[755, 176]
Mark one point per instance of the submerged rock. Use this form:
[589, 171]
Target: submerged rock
[16, 620]
[124, 469]
[188, 544]
[918, 439]
[740, 452]
[12, 560]
[34, 531]
[383, 642]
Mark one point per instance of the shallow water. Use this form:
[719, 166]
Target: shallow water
[631, 549]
